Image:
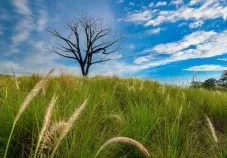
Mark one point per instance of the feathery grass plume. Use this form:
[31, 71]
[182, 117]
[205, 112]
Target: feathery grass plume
[115, 116]
[70, 122]
[15, 79]
[25, 104]
[162, 90]
[142, 85]
[131, 88]
[44, 90]
[179, 112]
[124, 140]
[212, 130]
[46, 122]
[56, 128]
[167, 99]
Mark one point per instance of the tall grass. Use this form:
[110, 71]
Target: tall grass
[25, 104]
[167, 120]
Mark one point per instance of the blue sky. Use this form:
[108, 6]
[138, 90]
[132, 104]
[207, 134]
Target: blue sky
[165, 40]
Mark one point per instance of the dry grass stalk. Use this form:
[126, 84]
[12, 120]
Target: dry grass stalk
[115, 116]
[162, 90]
[25, 104]
[142, 85]
[33, 93]
[212, 130]
[131, 88]
[46, 122]
[56, 128]
[15, 79]
[179, 112]
[70, 123]
[167, 99]
[124, 140]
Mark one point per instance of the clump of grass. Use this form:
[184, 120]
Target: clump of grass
[70, 123]
[25, 104]
[124, 140]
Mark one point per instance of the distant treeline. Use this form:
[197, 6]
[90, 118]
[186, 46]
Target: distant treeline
[212, 83]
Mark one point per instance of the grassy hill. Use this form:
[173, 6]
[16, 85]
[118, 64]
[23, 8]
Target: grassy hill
[169, 121]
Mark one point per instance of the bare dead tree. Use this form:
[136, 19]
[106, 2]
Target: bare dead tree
[89, 42]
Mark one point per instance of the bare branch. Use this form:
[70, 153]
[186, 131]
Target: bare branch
[97, 41]
[101, 61]
[66, 56]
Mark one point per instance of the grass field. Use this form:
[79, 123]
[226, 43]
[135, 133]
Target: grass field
[169, 121]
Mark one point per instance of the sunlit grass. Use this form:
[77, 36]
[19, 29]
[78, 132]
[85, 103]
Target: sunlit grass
[168, 121]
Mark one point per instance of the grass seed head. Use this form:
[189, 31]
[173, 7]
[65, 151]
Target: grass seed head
[212, 130]
[124, 140]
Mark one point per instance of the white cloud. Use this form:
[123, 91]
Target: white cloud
[194, 39]
[141, 60]
[196, 24]
[131, 46]
[25, 24]
[22, 7]
[151, 4]
[207, 68]
[196, 45]
[22, 31]
[177, 2]
[154, 31]
[42, 21]
[131, 3]
[139, 16]
[1, 30]
[222, 59]
[210, 9]
[161, 3]
[193, 2]
[120, 1]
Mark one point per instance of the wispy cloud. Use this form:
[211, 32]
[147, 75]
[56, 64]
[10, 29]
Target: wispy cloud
[161, 3]
[132, 4]
[25, 25]
[1, 30]
[22, 7]
[22, 30]
[131, 46]
[120, 1]
[222, 59]
[177, 2]
[199, 44]
[196, 24]
[138, 17]
[207, 68]
[141, 60]
[42, 20]
[209, 9]
[154, 31]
